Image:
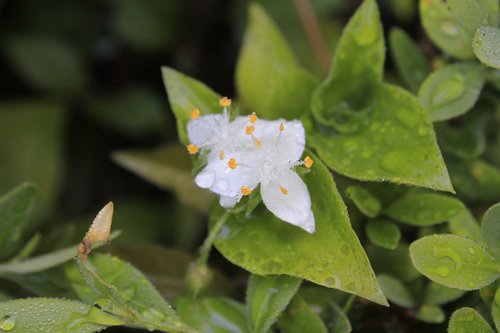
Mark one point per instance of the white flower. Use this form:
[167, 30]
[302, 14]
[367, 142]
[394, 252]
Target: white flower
[250, 151]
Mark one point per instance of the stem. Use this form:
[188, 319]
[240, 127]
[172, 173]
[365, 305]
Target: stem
[348, 304]
[313, 32]
[207, 244]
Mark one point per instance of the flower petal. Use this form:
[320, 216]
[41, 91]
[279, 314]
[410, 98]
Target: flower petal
[288, 199]
[227, 202]
[286, 145]
[205, 129]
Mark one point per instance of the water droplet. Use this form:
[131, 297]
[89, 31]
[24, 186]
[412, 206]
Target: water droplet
[392, 161]
[443, 271]
[471, 250]
[128, 294]
[153, 314]
[331, 281]
[7, 323]
[205, 179]
[406, 117]
[422, 131]
[449, 28]
[345, 250]
[448, 90]
[351, 145]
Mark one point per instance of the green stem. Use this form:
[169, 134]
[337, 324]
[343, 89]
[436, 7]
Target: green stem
[348, 304]
[207, 244]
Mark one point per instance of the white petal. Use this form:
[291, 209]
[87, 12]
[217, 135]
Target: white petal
[294, 207]
[205, 178]
[287, 145]
[227, 202]
[206, 128]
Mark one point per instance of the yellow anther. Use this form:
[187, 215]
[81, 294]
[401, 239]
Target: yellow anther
[249, 130]
[245, 190]
[232, 163]
[225, 102]
[192, 149]
[283, 190]
[258, 143]
[253, 118]
[221, 155]
[195, 114]
[308, 162]
[282, 127]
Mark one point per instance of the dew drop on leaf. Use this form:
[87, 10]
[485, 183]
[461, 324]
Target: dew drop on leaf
[7, 323]
[448, 90]
[450, 28]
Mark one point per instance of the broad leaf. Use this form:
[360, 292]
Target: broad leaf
[15, 208]
[395, 142]
[396, 291]
[452, 90]
[423, 209]
[454, 261]
[468, 320]
[268, 78]
[267, 297]
[351, 88]
[298, 318]
[491, 229]
[476, 180]
[486, 44]
[364, 200]
[464, 224]
[410, 62]
[437, 294]
[473, 14]
[49, 315]
[383, 233]
[432, 314]
[332, 256]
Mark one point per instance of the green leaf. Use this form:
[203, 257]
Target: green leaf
[495, 313]
[444, 30]
[452, 90]
[332, 256]
[491, 229]
[476, 181]
[185, 94]
[366, 202]
[468, 320]
[168, 167]
[351, 88]
[473, 14]
[299, 318]
[213, 315]
[424, 209]
[47, 63]
[267, 297]
[465, 142]
[336, 320]
[396, 291]
[383, 233]
[410, 62]
[120, 288]
[393, 262]
[454, 261]
[268, 78]
[15, 208]
[437, 294]
[464, 224]
[486, 44]
[395, 142]
[49, 315]
[432, 314]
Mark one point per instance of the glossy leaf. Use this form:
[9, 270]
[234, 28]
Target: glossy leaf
[423, 209]
[332, 256]
[168, 167]
[213, 315]
[410, 62]
[268, 78]
[267, 297]
[437, 294]
[298, 318]
[491, 229]
[444, 29]
[15, 208]
[184, 95]
[473, 14]
[452, 90]
[432, 314]
[351, 88]
[364, 200]
[468, 320]
[395, 142]
[454, 261]
[393, 262]
[486, 44]
[396, 291]
[476, 180]
[49, 315]
[383, 233]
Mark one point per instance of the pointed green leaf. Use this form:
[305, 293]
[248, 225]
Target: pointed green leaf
[50, 315]
[396, 291]
[395, 142]
[486, 45]
[437, 294]
[454, 261]
[468, 320]
[383, 233]
[476, 180]
[332, 256]
[444, 30]
[267, 297]
[473, 14]
[431, 314]
[464, 224]
[184, 95]
[268, 78]
[410, 62]
[364, 200]
[491, 229]
[350, 89]
[299, 318]
[423, 209]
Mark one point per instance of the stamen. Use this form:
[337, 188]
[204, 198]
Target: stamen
[221, 155]
[283, 190]
[308, 162]
[232, 163]
[253, 118]
[282, 127]
[225, 102]
[195, 114]
[258, 143]
[192, 149]
[245, 190]
[249, 130]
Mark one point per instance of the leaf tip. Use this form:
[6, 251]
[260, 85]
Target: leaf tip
[99, 231]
